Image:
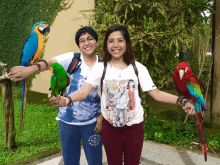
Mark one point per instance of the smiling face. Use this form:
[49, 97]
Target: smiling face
[116, 45]
[87, 44]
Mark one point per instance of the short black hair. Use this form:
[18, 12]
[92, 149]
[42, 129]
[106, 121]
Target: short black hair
[83, 30]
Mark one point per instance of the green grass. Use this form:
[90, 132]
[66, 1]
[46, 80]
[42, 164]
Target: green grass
[40, 133]
[40, 136]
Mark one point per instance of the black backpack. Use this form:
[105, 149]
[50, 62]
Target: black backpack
[76, 62]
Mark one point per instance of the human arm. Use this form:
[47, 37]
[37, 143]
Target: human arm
[147, 85]
[165, 97]
[78, 95]
[98, 126]
[92, 81]
[21, 72]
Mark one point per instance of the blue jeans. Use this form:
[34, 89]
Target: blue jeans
[70, 143]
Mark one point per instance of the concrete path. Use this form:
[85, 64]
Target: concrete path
[152, 154]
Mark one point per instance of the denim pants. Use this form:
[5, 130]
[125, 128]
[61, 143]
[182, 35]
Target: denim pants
[70, 136]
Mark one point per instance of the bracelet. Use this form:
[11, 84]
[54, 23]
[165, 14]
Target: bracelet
[38, 65]
[180, 99]
[69, 99]
[43, 60]
[188, 101]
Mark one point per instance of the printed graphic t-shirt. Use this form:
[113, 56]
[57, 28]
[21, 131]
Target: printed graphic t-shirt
[120, 101]
[82, 112]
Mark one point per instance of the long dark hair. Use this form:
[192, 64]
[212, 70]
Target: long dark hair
[128, 56]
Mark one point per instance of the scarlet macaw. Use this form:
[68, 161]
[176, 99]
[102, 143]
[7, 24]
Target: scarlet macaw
[187, 84]
[31, 52]
[59, 80]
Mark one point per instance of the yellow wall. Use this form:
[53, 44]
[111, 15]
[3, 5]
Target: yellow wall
[61, 38]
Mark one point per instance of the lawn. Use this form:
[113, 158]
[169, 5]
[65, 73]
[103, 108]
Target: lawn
[40, 133]
[40, 136]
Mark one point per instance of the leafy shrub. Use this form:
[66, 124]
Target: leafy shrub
[174, 132]
[158, 29]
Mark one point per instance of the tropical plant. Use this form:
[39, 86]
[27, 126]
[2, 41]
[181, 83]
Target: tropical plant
[158, 29]
[200, 46]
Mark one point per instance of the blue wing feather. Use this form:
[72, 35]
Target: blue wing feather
[23, 48]
[199, 98]
[29, 49]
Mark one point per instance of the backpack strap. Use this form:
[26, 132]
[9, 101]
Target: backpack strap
[103, 75]
[74, 63]
[100, 59]
[136, 72]
[68, 79]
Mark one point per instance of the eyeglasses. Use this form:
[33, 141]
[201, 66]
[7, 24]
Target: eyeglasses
[83, 40]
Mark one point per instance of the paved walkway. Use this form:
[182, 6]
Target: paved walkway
[152, 154]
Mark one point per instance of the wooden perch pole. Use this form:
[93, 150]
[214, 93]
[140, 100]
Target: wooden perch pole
[8, 107]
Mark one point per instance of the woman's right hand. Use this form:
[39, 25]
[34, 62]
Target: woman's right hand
[19, 73]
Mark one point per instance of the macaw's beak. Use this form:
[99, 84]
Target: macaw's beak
[51, 70]
[44, 28]
[181, 74]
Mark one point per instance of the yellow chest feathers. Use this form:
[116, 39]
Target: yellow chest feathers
[40, 45]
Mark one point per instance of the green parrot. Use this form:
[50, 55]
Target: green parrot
[59, 80]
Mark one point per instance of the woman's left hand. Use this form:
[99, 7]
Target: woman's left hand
[59, 101]
[98, 126]
[189, 108]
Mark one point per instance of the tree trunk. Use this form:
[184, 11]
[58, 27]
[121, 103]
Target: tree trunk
[8, 112]
[216, 76]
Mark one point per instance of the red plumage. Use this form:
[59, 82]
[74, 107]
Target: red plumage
[181, 76]
[180, 84]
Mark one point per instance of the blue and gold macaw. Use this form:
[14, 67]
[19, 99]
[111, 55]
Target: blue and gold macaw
[31, 52]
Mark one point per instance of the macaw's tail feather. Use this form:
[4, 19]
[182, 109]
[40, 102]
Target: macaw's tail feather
[23, 90]
[204, 148]
[23, 103]
[201, 133]
[200, 126]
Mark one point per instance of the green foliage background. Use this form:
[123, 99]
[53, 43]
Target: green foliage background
[159, 30]
[17, 18]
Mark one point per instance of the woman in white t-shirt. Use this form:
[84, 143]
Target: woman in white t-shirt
[127, 135]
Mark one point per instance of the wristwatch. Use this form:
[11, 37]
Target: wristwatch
[69, 99]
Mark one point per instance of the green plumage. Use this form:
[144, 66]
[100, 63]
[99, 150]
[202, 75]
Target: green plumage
[196, 87]
[59, 80]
